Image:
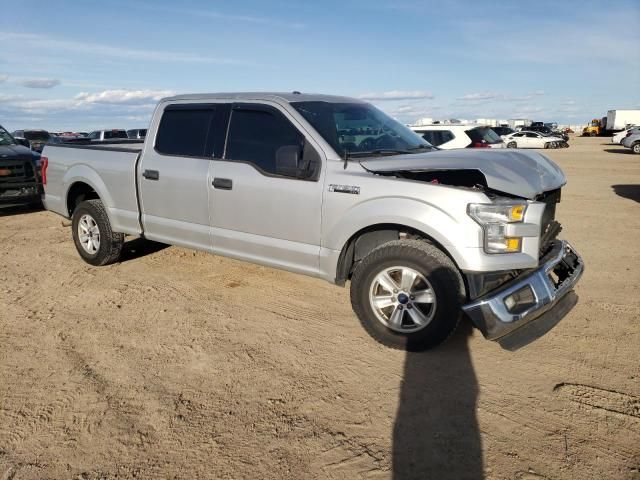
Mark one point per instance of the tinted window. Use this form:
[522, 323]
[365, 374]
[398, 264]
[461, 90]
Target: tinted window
[111, 134]
[184, 131]
[502, 130]
[531, 135]
[36, 136]
[437, 137]
[483, 135]
[256, 134]
[94, 135]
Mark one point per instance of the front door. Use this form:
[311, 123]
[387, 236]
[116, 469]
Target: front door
[262, 209]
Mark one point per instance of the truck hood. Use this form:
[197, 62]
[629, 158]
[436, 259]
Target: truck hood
[519, 173]
[17, 152]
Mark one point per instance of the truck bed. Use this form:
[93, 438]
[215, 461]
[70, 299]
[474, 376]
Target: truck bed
[106, 167]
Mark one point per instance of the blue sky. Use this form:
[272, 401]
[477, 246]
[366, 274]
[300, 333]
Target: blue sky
[95, 64]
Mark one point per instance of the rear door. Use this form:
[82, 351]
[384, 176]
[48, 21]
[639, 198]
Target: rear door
[260, 213]
[173, 175]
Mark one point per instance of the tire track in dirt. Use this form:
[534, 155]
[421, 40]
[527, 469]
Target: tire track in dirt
[595, 398]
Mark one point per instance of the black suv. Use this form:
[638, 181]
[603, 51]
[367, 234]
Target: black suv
[20, 177]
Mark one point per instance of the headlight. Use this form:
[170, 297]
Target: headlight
[493, 218]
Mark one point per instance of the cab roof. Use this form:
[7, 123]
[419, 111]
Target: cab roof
[288, 97]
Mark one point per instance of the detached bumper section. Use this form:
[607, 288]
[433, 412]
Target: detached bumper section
[531, 304]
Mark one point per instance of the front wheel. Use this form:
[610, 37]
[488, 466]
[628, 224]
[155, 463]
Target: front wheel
[636, 148]
[512, 145]
[96, 243]
[407, 295]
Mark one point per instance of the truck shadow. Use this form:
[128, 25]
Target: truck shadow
[436, 433]
[632, 192]
[138, 248]
[9, 210]
[622, 150]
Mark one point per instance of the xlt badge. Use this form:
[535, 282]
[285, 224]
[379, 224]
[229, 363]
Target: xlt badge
[352, 189]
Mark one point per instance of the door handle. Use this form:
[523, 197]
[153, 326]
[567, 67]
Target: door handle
[222, 183]
[151, 174]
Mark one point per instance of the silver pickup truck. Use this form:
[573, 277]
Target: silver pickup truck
[334, 188]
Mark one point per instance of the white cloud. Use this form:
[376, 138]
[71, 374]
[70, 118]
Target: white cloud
[398, 95]
[4, 78]
[40, 83]
[121, 97]
[478, 97]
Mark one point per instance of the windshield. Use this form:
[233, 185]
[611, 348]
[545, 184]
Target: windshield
[36, 136]
[5, 138]
[359, 128]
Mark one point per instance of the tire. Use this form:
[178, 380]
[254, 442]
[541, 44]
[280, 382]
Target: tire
[512, 145]
[106, 245]
[635, 148]
[592, 134]
[435, 270]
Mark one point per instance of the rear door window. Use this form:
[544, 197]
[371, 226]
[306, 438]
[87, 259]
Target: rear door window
[186, 130]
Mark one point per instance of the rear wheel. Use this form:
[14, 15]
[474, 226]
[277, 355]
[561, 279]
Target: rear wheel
[635, 148]
[512, 145]
[96, 243]
[592, 134]
[407, 295]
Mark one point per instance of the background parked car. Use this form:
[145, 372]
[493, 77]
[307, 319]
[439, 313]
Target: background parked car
[633, 142]
[546, 130]
[618, 137]
[37, 138]
[526, 139]
[137, 133]
[112, 134]
[459, 136]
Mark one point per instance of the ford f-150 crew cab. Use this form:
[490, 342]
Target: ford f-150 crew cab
[334, 188]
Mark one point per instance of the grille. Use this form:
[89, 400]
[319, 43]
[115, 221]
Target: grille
[18, 171]
[549, 229]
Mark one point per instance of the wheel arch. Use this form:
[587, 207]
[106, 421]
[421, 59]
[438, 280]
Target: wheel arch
[365, 240]
[79, 191]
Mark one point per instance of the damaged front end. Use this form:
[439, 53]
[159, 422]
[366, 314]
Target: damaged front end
[511, 306]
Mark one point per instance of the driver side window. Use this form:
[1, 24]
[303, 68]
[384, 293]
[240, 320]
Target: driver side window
[261, 135]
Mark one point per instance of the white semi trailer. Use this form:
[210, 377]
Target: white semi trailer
[619, 119]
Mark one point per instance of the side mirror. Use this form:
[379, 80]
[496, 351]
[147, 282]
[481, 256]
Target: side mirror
[24, 142]
[288, 160]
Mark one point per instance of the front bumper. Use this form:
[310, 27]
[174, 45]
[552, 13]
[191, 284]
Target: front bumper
[548, 294]
[19, 193]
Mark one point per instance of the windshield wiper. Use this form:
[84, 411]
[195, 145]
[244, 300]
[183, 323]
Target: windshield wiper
[380, 151]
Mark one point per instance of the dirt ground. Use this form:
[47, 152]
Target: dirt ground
[175, 364]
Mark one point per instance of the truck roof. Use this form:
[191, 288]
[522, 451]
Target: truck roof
[277, 96]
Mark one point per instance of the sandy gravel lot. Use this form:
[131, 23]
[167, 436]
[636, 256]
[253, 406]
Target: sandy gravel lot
[174, 364]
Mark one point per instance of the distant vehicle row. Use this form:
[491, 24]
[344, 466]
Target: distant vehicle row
[37, 139]
[446, 136]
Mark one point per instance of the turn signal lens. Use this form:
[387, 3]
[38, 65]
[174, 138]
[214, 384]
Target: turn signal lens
[513, 244]
[517, 213]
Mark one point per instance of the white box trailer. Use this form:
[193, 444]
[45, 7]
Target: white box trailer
[619, 119]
